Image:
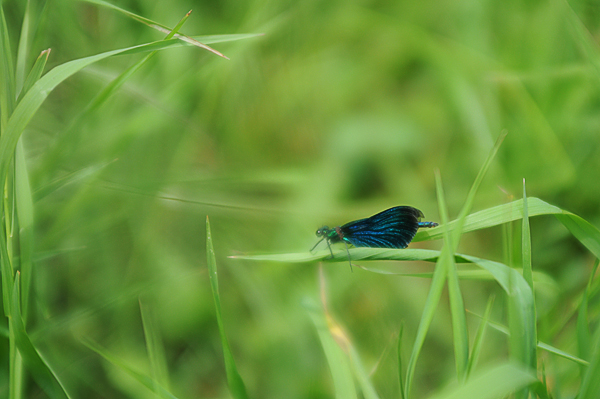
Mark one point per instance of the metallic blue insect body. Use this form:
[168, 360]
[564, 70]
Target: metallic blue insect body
[392, 228]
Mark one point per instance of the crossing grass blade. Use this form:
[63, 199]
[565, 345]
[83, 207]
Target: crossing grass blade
[236, 384]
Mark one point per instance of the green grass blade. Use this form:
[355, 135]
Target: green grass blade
[25, 222]
[146, 381]
[433, 298]
[70, 178]
[35, 73]
[400, 372]
[118, 82]
[522, 315]
[583, 333]
[236, 384]
[210, 39]
[590, 386]
[460, 221]
[526, 241]
[585, 232]
[23, 48]
[457, 307]
[156, 25]
[479, 337]
[337, 359]
[39, 369]
[493, 216]
[156, 351]
[34, 98]
[496, 383]
[542, 345]
[7, 74]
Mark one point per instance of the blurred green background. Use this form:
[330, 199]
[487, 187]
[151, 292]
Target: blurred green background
[342, 109]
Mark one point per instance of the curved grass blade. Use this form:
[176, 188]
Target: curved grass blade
[34, 98]
[40, 370]
[236, 384]
[493, 216]
[495, 383]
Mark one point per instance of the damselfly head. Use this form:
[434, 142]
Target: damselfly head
[322, 231]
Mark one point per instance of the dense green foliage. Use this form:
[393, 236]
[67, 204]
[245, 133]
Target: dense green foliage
[117, 144]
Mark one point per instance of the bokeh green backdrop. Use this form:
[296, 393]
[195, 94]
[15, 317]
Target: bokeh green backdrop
[341, 109]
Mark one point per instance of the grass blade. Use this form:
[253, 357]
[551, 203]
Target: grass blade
[209, 39]
[34, 98]
[7, 73]
[346, 354]
[24, 202]
[526, 241]
[40, 370]
[583, 333]
[585, 232]
[542, 345]
[236, 384]
[590, 386]
[337, 359]
[521, 306]
[400, 374]
[35, 73]
[146, 381]
[457, 307]
[156, 25]
[433, 297]
[156, 351]
[479, 337]
[493, 216]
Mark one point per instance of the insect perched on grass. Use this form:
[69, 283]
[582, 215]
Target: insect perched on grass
[392, 228]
